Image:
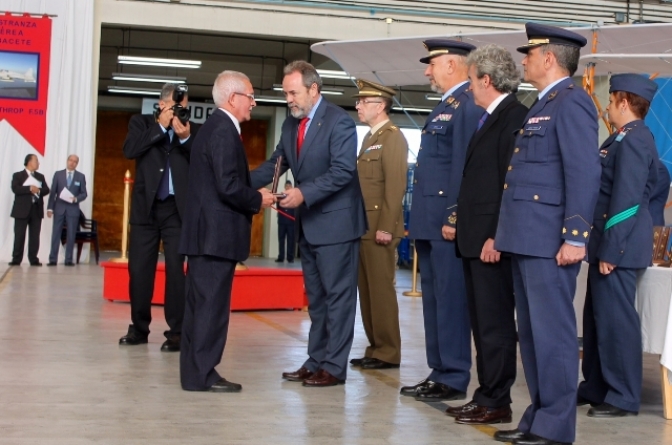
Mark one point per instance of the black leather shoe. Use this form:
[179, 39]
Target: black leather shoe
[359, 361]
[278, 260]
[511, 435]
[374, 363]
[607, 411]
[290, 261]
[438, 392]
[454, 411]
[70, 263]
[172, 344]
[223, 385]
[132, 338]
[14, 263]
[532, 439]
[411, 391]
[38, 264]
[51, 263]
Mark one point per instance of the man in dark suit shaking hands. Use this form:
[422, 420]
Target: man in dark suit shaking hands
[66, 210]
[28, 210]
[216, 231]
[487, 273]
[160, 145]
[319, 144]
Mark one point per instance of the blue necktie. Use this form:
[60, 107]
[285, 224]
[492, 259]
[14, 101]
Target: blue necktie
[69, 179]
[164, 186]
[481, 121]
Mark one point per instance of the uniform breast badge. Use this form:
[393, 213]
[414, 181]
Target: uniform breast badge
[443, 117]
[373, 147]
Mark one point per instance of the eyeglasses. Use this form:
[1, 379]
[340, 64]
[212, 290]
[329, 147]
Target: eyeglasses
[248, 95]
[364, 102]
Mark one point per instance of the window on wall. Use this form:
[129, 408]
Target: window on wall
[412, 136]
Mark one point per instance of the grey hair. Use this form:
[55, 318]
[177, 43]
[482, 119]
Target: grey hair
[167, 91]
[566, 56]
[227, 83]
[498, 63]
[72, 154]
[308, 72]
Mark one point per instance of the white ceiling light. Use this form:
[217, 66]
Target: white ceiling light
[155, 61]
[132, 90]
[333, 74]
[413, 109]
[148, 78]
[270, 99]
[325, 90]
[526, 87]
[432, 97]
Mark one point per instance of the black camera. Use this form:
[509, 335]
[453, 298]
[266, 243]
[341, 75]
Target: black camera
[181, 113]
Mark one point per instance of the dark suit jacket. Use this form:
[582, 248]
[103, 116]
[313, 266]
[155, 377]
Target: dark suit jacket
[485, 168]
[77, 188]
[23, 199]
[146, 143]
[220, 202]
[660, 194]
[326, 173]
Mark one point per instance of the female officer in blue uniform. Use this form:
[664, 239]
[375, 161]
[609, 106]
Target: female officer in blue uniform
[620, 245]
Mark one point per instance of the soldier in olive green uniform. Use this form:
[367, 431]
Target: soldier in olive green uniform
[382, 166]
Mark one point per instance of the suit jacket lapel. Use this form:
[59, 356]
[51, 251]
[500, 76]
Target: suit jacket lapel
[313, 129]
[489, 122]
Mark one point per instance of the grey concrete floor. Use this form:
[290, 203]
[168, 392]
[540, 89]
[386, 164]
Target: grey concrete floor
[65, 380]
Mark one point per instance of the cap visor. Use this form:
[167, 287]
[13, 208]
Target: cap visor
[425, 59]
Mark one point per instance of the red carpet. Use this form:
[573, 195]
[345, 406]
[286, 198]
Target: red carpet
[253, 289]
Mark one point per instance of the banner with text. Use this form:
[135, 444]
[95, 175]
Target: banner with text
[25, 44]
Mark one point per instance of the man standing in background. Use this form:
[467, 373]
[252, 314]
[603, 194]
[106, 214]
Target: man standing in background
[160, 145]
[381, 166]
[28, 210]
[437, 177]
[65, 211]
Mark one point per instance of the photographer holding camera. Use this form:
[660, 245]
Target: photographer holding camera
[160, 144]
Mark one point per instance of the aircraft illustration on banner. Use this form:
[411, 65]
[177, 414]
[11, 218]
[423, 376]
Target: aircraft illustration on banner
[11, 76]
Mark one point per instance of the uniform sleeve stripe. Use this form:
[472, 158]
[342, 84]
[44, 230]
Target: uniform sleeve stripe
[625, 214]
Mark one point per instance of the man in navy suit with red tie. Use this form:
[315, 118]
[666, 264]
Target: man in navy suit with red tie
[319, 144]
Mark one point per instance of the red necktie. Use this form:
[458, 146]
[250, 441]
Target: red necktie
[302, 135]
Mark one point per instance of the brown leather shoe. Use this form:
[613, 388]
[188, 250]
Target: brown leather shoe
[454, 411]
[322, 378]
[298, 376]
[483, 415]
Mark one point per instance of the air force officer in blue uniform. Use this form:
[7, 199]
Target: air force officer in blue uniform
[545, 221]
[438, 175]
[621, 244]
